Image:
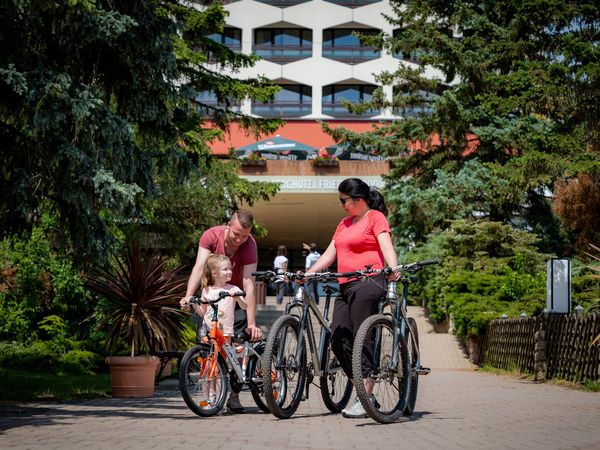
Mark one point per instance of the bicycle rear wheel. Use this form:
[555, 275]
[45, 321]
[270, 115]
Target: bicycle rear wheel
[284, 376]
[414, 376]
[373, 348]
[255, 379]
[203, 381]
[335, 385]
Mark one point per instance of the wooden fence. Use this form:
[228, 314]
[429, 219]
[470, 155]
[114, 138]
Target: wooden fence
[549, 346]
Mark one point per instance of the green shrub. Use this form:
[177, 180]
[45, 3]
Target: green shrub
[488, 269]
[37, 281]
[35, 356]
[80, 361]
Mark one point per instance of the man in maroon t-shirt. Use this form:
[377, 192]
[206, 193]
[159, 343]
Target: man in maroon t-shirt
[234, 241]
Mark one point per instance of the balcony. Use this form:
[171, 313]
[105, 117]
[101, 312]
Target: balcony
[282, 109]
[282, 53]
[350, 53]
[339, 110]
[282, 3]
[352, 3]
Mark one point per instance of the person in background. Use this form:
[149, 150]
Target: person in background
[281, 263]
[362, 238]
[234, 241]
[311, 259]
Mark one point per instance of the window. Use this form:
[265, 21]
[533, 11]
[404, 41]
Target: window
[231, 37]
[282, 3]
[342, 45]
[352, 3]
[283, 44]
[413, 56]
[417, 103]
[206, 100]
[292, 100]
[334, 95]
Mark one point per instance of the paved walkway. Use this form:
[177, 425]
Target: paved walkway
[457, 408]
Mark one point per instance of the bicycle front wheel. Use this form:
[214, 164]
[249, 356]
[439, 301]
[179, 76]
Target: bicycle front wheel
[382, 367]
[414, 376]
[203, 381]
[284, 375]
[255, 379]
[335, 385]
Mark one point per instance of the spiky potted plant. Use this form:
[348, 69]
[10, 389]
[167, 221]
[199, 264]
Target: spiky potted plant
[142, 310]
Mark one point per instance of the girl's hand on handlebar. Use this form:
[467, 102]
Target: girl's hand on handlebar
[236, 291]
[185, 303]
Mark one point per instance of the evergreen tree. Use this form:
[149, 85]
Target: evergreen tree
[517, 87]
[99, 114]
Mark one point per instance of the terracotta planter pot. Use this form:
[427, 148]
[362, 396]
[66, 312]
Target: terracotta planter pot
[132, 376]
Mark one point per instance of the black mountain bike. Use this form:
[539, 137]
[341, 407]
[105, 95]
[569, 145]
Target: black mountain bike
[288, 372]
[388, 345]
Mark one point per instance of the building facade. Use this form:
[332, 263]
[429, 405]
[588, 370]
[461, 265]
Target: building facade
[310, 49]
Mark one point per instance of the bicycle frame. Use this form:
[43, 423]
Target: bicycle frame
[305, 302]
[221, 347]
[399, 316]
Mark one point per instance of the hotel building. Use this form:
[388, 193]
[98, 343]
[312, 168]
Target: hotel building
[310, 50]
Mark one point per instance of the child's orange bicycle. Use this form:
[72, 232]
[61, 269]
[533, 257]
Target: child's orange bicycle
[208, 369]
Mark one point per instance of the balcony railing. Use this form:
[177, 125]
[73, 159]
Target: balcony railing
[282, 53]
[353, 3]
[339, 110]
[282, 109]
[350, 53]
[283, 3]
[212, 59]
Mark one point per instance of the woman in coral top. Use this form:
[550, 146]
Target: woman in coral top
[363, 238]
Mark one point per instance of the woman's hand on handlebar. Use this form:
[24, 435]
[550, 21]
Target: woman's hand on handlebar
[299, 278]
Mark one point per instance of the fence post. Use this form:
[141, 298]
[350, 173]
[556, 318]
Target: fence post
[540, 360]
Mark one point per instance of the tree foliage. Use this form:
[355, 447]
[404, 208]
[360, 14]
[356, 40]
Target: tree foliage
[98, 106]
[517, 87]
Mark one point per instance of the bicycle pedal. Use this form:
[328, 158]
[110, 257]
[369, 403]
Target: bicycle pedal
[423, 370]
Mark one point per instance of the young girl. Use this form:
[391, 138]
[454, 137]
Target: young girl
[215, 279]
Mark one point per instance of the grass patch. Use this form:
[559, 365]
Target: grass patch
[513, 372]
[587, 385]
[28, 385]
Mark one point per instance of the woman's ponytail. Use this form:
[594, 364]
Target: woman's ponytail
[376, 201]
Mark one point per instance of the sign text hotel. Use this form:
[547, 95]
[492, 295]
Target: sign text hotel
[312, 184]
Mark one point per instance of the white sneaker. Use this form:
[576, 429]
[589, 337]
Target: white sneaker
[356, 411]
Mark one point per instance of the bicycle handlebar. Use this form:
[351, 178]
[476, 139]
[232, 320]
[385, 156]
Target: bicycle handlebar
[413, 267]
[220, 297]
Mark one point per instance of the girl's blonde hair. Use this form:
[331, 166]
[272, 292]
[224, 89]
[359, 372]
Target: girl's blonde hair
[212, 263]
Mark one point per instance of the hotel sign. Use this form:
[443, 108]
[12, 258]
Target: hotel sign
[312, 184]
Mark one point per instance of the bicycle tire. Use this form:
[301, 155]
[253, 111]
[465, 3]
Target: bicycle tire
[255, 380]
[202, 392]
[336, 387]
[390, 388]
[283, 377]
[414, 376]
